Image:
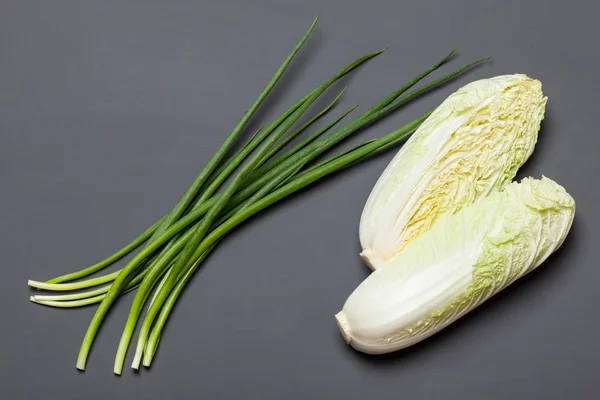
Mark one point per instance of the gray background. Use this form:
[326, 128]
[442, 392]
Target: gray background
[107, 111]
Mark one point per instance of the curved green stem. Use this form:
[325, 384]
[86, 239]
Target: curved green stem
[109, 260]
[84, 301]
[72, 296]
[71, 303]
[73, 285]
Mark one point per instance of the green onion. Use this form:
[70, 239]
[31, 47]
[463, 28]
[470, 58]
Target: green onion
[118, 283]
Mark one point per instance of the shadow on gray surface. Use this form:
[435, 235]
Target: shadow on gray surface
[555, 267]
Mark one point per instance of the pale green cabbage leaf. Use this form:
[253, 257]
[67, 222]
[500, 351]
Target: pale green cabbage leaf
[462, 261]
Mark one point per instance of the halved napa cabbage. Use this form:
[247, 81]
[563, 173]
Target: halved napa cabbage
[471, 145]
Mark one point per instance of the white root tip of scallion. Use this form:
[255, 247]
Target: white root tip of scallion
[43, 285]
[36, 298]
[344, 327]
[137, 359]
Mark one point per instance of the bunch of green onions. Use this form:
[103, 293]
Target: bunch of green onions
[265, 173]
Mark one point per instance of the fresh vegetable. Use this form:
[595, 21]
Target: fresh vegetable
[472, 145]
[465, 259]
[226, 193]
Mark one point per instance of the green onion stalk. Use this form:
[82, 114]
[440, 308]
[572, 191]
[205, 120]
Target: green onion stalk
[259, 174]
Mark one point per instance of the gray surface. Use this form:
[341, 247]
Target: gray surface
[108, 110]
